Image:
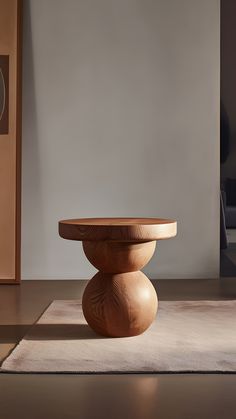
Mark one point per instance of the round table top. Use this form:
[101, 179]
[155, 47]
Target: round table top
[117, 229]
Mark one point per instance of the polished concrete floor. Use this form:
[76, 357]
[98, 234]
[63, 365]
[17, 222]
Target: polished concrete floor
[139, 396]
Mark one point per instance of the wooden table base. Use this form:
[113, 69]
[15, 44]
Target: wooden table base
[119, 300]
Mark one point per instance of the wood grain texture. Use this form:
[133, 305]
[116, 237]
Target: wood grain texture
[118, 257]
[10, 145]
[117, 229]
[119, 300]
[119, 305]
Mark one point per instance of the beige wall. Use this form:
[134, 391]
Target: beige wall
[121, 117]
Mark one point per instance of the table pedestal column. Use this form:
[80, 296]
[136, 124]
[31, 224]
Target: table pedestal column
[119, 300]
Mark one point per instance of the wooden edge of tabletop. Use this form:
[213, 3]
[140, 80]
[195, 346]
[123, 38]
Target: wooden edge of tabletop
[117, 229]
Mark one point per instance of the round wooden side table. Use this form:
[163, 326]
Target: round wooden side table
[119, 300]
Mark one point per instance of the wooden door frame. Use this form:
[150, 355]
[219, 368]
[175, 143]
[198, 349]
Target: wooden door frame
[17, 98]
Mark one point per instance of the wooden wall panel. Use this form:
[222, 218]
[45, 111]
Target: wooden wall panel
[10, 142]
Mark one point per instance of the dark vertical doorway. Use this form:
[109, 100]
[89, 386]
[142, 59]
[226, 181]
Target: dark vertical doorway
[228, 138]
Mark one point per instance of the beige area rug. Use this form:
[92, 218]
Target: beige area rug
[190, 336]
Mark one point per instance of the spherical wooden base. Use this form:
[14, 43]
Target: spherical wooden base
[119, 300]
